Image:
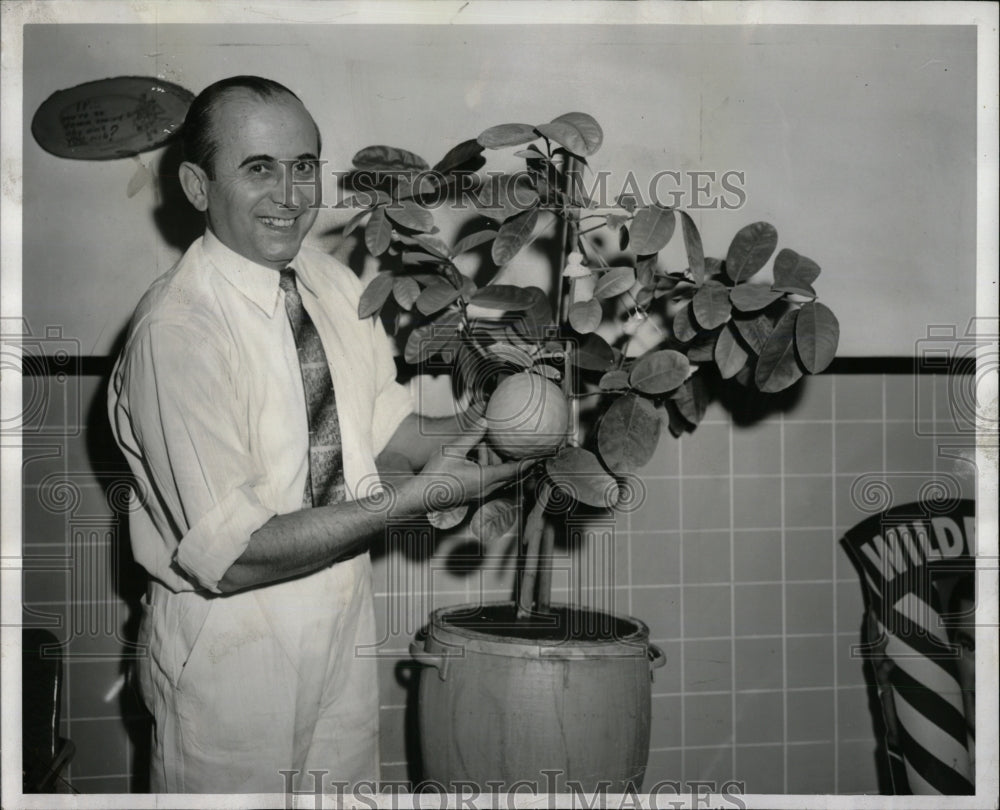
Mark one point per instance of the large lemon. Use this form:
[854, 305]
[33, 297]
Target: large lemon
[527, 416]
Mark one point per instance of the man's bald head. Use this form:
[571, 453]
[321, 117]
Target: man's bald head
[200, 139]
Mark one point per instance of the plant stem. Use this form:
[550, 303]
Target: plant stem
[570, 238]
[545, 566]
[533, 528]
[539, 534]
[567, 235]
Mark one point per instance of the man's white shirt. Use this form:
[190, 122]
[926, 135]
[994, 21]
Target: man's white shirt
[206, 400]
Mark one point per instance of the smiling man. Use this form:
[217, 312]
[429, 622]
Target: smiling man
[252, 404]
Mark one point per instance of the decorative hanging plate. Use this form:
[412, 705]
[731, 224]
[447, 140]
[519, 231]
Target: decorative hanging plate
[110, 118]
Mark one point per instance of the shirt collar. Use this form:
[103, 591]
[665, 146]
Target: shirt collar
[256, 282]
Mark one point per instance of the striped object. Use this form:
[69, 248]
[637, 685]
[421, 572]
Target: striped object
[899, 554]
[325, 483]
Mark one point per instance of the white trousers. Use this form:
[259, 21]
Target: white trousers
[245, 686]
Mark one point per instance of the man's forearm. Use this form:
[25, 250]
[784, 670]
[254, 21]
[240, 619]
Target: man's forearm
[299, 542]
[304, 541]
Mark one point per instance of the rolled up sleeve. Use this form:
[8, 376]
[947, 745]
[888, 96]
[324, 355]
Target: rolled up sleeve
[184, 410]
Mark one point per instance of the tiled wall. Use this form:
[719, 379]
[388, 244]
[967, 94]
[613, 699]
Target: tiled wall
[732, 559]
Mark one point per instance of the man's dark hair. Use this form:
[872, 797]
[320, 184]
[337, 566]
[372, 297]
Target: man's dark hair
[198, 135]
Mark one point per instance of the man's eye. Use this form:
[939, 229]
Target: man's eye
[305, 168]
[259, 168]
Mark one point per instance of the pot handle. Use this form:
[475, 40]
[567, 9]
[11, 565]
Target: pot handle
[439, 662]
[657, 659]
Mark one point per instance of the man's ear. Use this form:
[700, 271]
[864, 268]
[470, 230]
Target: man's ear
[194, 181]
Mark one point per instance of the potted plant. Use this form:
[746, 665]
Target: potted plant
[584, 376]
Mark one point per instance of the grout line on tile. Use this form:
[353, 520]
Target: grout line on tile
[680, 576]
[732, 599]
[95, 777]
[833, 551]
[784, 607]
[792, 743]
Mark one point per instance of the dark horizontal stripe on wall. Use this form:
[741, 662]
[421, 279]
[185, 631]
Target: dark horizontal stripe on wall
[100, 365]
[901, 365]
[49, 365]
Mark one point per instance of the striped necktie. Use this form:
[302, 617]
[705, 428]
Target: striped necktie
[325, 483]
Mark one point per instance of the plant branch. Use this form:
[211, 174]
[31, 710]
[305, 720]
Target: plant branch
[545, 566]
[568, 232]
[533, 527]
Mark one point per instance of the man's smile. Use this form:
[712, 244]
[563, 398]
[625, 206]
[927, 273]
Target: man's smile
[281, 223]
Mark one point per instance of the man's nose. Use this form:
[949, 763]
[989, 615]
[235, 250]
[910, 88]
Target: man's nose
[289, 193]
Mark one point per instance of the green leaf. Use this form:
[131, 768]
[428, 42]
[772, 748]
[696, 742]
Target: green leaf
[507, 297]
[531, 153]
[425, 278]
[702, 348]
[474, 240]
[585, 316]
[730, 356]
[510, 354]
[646, 271]
[369, 198]
[794, 273]
[406, 291]
[777, 367]
[817, 333]
[436, 297]
[467, 288]
[536, 321]
[449, 518]
[615, 380]
[507, 135]
[430, 339]
[414, 185]
[514, 235]
[628, 433]
[467, 156]
[494, 519]
[614, 281]
[593, 354]
[752, 297]
[411, 258]
[659, 372]
[578, 132]
[750, 250]
[353, 223]
[754, 331]
[693, 247]
[578, 472]
[378, 232]
[651, 229]
[691, 400]
[505, 196]
[388, 158]
[684, 330]
[432, 245]
[375, 295]
[711, 305]
[410, 215]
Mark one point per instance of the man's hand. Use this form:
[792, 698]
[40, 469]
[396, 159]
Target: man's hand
[450, 478]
